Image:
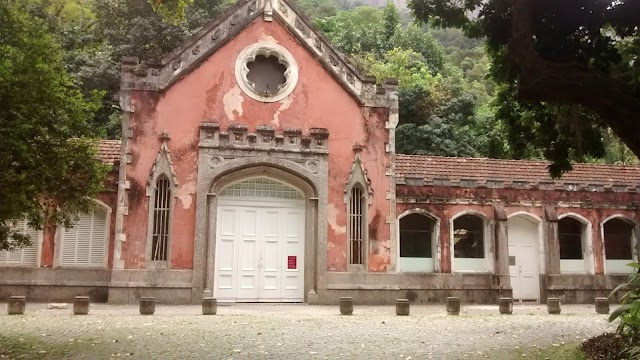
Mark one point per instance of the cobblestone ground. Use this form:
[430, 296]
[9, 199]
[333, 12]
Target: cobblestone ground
[264, 331]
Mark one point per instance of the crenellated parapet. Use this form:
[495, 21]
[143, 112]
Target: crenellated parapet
[265, 138]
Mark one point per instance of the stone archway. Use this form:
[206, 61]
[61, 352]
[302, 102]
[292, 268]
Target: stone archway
[310, 180]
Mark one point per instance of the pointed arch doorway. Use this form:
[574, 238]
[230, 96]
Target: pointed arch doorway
[260, 242]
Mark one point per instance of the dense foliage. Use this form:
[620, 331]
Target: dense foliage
[566, 70]
[49, 166]
[628, 314]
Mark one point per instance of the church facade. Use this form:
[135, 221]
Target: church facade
[257, 165]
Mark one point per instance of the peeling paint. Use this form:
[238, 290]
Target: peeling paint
[233, 102]
[185, 193]
[332, 216]
[285, 104]
[267, 38]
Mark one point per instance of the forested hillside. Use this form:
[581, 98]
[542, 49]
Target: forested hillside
[448, 103]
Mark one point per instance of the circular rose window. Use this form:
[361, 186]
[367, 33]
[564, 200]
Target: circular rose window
[266, 72]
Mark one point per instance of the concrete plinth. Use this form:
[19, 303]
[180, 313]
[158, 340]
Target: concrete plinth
[81, 305]
[16, 305]
[453, 305]
[209, 306]
[602, 305]
[402, 307]
[505, 305]
[553, 306]
[147, 305]
[346, 305]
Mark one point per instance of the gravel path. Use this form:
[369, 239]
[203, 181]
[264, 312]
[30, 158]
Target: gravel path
[265, 331]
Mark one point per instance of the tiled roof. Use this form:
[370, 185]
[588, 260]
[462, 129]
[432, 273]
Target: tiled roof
[484, 170]
[109, 151]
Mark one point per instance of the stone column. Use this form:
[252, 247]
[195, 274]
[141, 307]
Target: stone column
[552, 250]
[501, 267]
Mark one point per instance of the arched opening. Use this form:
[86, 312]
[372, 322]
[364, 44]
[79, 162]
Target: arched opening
[468, 238]
[618, 245]
[417, 243]
[260, 242]
[572, 237]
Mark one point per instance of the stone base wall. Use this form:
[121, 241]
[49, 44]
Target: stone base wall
[176, 286]
[368, 288]
[58, 285]
[580, 289]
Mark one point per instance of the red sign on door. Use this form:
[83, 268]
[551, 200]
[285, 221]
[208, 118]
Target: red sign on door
[292, 262]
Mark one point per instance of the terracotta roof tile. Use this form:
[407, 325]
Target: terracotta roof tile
[109, 151]
[483, 169]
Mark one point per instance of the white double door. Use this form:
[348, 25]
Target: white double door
[523, 258]
[260, 250]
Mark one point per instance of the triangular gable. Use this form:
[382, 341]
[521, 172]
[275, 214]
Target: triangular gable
[173, 67]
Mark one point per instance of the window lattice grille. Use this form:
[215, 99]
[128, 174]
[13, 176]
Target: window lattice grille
[161, 217]
[262, 187]
[356, 230]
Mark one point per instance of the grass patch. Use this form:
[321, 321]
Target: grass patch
[15, 346]
[28, 347]
[561, 352]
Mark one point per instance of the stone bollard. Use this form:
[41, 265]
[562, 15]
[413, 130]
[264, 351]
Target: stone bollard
[81, 305]
[209, 306]
[602, 305]
[346, 305]
[453, 305]
[402, 307]
[147, 305]
[505, 305]
[16, 305]
[553, 305]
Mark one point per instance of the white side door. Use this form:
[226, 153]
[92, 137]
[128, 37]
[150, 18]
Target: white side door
[293, 254]
[523, 258]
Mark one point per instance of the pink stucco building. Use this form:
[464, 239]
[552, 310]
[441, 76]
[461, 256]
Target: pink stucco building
[257, 165]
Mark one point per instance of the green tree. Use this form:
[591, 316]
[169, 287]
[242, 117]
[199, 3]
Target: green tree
[50, 168]
[570, 66]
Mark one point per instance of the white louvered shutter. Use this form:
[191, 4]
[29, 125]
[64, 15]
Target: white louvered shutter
[84, 244]
[26, 256]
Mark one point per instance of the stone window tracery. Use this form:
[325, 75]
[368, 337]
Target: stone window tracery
[358, 196]
[161, 190]
[266, 72]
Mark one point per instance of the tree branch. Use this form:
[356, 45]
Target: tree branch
[570, 83]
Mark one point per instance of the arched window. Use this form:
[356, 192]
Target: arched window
[416, 243]
[571, 233]
[468, 243]
[356, 226]
[161, 220]
[85, 243]
[618, 245]
[26, 256]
